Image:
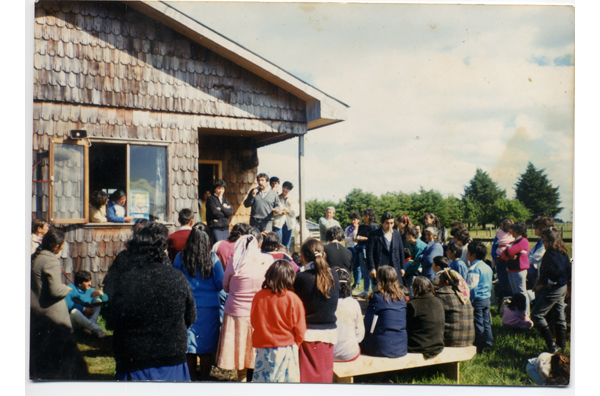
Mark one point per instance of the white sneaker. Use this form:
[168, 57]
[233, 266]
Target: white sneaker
[363, 294]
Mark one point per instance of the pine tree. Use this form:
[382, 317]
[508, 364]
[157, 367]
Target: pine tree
[484, 191]
[537, 194]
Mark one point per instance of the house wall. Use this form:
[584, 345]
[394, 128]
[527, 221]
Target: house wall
[116, 73]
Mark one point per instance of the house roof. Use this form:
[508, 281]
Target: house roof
[322, 109]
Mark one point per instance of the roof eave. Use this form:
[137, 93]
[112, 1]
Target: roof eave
[322, 109]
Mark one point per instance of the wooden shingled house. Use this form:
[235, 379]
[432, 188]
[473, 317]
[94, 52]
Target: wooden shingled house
[163, 105]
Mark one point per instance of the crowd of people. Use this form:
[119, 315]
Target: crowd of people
[239, 300]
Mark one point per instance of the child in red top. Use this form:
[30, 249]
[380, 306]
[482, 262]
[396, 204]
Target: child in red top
[278, 321]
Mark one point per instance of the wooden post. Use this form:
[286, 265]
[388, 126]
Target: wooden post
[302, 217]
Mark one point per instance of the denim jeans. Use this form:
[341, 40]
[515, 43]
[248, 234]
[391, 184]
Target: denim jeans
[362, 259]
[285, 235]
[546, 300]
[356, 270]
[483, 324]
[80, 321]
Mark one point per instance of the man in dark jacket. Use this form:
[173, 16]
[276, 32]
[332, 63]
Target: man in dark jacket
[385, 248]
[218, 211]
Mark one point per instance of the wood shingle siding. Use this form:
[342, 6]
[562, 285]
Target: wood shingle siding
[133, 62]
[130, 74]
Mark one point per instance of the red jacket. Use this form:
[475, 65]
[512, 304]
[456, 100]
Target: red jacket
[176, 243]
[277, 319]
[519, 245]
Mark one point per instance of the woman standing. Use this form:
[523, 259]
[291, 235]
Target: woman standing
[218, 211]
[284, 222]
[53, 353]
[318, 288]
[551, 289]
[152, 307]
[516, 256]
[403, 224]
[204, 272]
[242, 280]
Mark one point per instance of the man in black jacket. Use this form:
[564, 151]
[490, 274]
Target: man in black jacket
[218, 211]
[385, 248]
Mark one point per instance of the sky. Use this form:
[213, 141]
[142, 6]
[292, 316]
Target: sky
[435, 91]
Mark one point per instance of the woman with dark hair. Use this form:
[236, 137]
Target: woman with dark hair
[318, 288]
[218, 211]
[337, 255]
[285, 221]
[516, 256]
[271, 244]
[551, 289]
[431, 220]
[459, 327]
[403, 224]
[53, 353]
[425, 320]
[385, 320]
[350, 326]
[243, 278]
[226, 247]
[152, 307]
[204, 272]
[115, 210]
[369, 217]
[98, 202]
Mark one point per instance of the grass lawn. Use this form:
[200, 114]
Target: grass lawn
[503, 364]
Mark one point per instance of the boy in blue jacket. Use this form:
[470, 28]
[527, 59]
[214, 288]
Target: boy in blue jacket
[479, 279]
[84, 304]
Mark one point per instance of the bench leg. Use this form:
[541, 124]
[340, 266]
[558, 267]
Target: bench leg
[343, 380]
[451, 370]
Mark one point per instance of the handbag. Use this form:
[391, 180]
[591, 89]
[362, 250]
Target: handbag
[514, 265]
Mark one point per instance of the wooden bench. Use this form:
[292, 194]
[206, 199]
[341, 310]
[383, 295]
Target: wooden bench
[449, 359]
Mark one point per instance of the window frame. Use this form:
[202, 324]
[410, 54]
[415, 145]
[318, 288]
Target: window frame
[86, 215]
[86, 143]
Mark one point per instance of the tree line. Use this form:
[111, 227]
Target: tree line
[482, 202]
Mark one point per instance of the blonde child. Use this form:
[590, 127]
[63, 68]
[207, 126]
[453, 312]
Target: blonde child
[278, 319]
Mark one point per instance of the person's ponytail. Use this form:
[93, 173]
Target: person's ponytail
[313, 250]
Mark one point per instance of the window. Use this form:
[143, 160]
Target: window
[79, 170]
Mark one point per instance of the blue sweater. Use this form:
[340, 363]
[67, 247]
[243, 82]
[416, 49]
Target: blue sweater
[460, 267]
[479, 279]
[432, 251]
[110, 213]
[84, 296]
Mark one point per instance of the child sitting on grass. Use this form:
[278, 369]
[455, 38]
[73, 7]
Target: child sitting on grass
[515, 313]
[84, 304]
[350, 326]
[278, 319]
